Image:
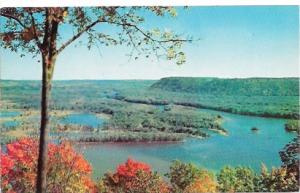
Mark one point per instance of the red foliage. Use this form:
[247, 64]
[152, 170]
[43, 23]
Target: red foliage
[6, 164]
[133, 177]
[66, 167]
[8, 37]
[131, 167]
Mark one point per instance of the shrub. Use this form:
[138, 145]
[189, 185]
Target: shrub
[202, 184]
[278, 180]
[189, 179]
[290, 157]
[131, 167]
[67, 170]
[292, 125]
[238, 179]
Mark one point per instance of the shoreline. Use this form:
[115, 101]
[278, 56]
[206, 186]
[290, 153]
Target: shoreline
[200, 106]
[126, 143]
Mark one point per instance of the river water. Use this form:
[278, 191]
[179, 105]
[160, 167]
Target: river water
[241, 147]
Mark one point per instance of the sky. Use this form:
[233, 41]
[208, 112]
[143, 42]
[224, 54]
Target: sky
[235, 42]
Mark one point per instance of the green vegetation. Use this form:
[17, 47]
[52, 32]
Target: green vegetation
[293, 125]
[290, 156]
[278, 180]
[183, 174]
[267, 97]
[264, 106]
[237, 87]
[282, 179]
[140, 107]
[113, 95]
[238, 179]
[243, 179]
[127, 136]
[175, 120]
[126, 121]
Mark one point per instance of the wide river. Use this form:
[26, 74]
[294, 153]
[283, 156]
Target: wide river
[241, 147]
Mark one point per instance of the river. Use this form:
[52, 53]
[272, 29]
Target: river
[241, 147]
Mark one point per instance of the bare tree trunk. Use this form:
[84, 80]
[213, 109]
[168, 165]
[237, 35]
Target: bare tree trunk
[44, 129]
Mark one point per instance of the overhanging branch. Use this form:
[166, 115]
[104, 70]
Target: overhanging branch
[146, 35]
[125, 24]
[78, 35]
[14, 18]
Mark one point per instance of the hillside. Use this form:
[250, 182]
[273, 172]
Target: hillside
[241, 86]
[110, 96]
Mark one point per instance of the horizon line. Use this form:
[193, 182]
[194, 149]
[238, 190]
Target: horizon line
[85, 79]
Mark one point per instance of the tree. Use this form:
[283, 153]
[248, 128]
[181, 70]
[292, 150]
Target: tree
[37, 31]
[290, 157]
[203, 183]
[278, 180]
[133, 177]
[186, 177]
[238, 179]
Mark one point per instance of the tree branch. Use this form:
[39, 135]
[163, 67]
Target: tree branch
[14, 18]
[14, 32]
[46, 31]
[34, 32]
[146, 35]
[125, 24]
[78, 35]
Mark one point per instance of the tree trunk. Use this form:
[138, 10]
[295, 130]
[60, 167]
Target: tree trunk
[44, 127]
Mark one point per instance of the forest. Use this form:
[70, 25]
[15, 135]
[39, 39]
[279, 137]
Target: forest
[231, 86]
[142, 111]
[167, 106]
[136, 122]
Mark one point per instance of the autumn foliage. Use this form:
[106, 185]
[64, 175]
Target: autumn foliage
[67, 170]
[188, 178]
[133, 177]
[203, 183]
[131, 167]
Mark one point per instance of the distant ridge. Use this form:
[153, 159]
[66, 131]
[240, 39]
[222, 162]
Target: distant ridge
[231, 86]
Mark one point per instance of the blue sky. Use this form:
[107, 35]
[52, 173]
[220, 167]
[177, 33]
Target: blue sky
[241, 41]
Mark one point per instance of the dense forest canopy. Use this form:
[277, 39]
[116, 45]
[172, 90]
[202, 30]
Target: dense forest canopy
[236, 86]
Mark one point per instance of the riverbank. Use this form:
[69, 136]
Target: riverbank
[202, 106]
[126, 136]
[240, 147]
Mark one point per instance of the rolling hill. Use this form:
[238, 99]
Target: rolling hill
[236, 86]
